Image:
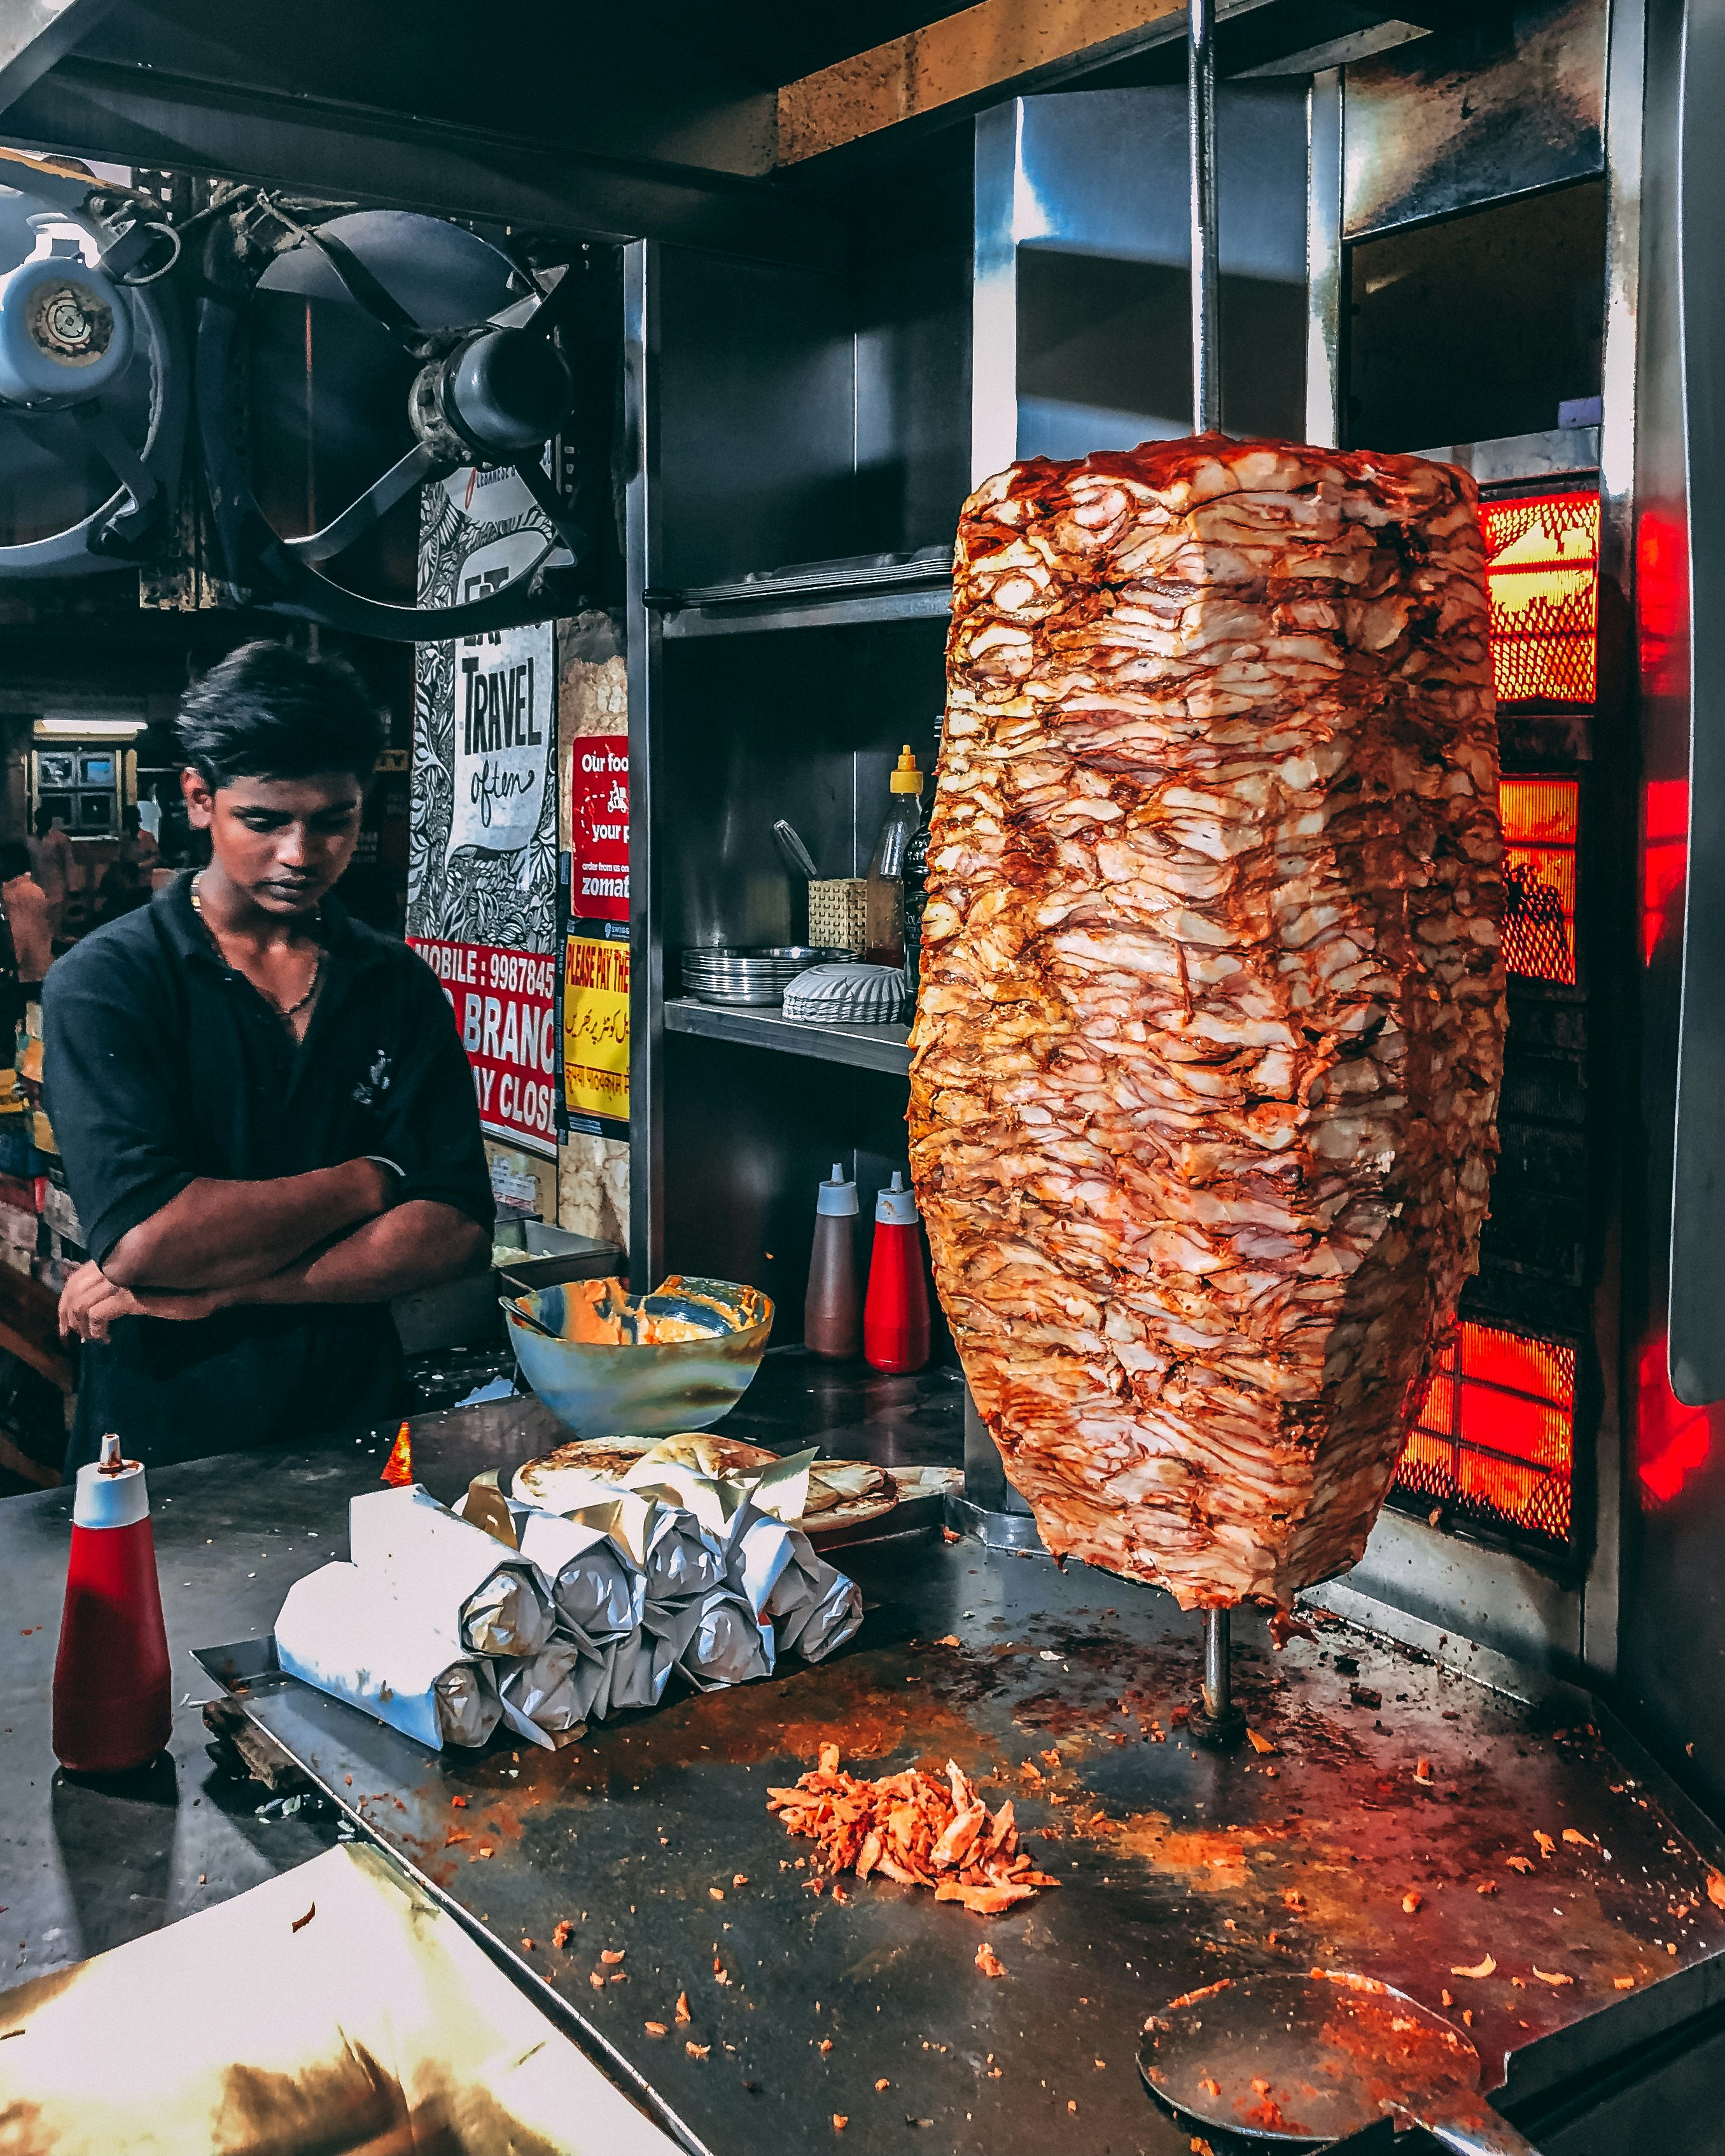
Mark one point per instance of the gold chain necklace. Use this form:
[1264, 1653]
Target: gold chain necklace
[287, 1013]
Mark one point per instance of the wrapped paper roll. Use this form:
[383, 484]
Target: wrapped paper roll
[638, 1667]
[812, 1628]
[682, 1559]
[762, 1552]
[549, 1698]
[657, 1534]
[683, 1564]
[719, 1641]
[812, 1606]
[450, 1574]
[596, 1588]
[343, 1631]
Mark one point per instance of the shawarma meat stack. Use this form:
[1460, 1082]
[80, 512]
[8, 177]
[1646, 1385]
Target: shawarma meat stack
[1210, 1032]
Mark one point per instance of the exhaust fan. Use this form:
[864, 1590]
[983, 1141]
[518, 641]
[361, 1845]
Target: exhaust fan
[92, 372]
[346, 358]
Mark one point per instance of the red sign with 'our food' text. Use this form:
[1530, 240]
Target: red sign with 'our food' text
[506, 1006]
[598, 828]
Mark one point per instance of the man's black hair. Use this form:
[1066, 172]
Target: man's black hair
[14, 860]
[268, 711]
[44, 822]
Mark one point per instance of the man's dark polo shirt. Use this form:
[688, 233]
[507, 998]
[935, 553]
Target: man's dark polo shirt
[161, 1065]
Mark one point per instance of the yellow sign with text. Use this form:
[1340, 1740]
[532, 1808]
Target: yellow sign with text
[596, 1028]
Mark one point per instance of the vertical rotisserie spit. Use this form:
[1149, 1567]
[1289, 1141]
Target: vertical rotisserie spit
[1211, 1023]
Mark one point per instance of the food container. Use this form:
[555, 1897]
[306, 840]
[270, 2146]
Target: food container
[463, 1313]
[646, 1389]
[846, 995]
[594, 1260]
[726, 974]
[838, 910]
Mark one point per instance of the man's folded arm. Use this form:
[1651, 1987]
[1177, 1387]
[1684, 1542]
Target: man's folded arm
[115, 1094]
[214, 1234]
[419, 1244]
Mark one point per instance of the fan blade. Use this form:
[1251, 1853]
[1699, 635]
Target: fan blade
[115, 452]
[532, 474]
[367, 290]
[420, 463]
[518, 313]
[554, 308]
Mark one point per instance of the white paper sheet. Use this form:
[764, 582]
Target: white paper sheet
[334, 2007]
[343, 1631]
[454, 1576]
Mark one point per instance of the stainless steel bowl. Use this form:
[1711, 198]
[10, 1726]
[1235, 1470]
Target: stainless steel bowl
[650, 1391]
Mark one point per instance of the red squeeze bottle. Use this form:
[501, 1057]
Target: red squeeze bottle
[112, 1706]
[895, 1314]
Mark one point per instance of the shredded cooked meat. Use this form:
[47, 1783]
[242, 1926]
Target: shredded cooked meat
[913, 1829]
[1210, 1031]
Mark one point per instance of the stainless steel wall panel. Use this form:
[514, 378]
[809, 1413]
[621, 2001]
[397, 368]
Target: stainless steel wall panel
[1671, 1627]
[1105, 172]
[1082, 243]
[1512, 102]
[1473, 1591]
[1554, 453]
[756, 417]
[994, 301]
[1613, 868]
[912, 441]
[805, 727]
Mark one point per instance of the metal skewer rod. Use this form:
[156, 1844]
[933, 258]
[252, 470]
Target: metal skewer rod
[1215, 1720]
[1201, 132]
[1218, 1675]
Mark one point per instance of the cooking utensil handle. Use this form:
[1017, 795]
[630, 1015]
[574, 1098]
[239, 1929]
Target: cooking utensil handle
[1474, 2130]
[795, 852]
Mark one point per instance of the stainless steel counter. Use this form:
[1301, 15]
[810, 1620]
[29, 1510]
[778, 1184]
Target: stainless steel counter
[1062, 1689]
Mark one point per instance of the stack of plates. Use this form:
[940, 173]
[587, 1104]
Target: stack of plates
[726, 975]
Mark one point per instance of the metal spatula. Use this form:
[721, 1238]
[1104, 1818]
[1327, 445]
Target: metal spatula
[1311, 2058]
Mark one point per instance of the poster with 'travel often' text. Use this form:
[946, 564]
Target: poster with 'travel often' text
[483, 859]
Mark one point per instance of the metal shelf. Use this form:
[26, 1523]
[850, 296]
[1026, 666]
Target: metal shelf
[863, 1047]
[1559, 453]
[876, 591]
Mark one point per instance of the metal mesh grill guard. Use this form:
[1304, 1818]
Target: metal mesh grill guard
[1540, 817]
[1495, 1436]
[1541, 577]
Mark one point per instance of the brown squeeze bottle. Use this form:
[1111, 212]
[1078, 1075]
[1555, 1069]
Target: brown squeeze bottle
[832, 1310]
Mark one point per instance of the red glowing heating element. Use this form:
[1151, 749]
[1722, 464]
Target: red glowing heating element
[1540, 822]
[1495, 1436]
[1542, 586]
